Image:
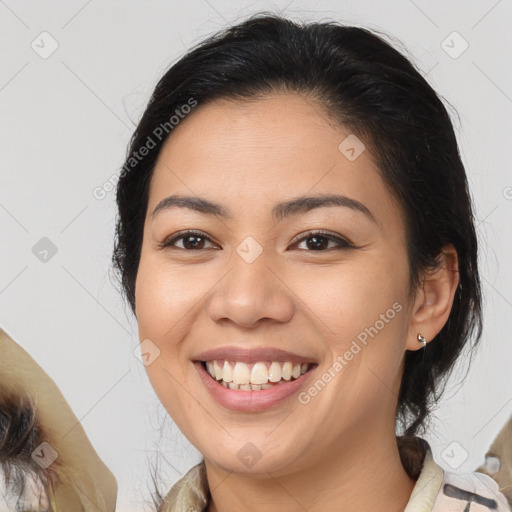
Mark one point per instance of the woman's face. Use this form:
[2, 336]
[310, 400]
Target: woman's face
[254, 278]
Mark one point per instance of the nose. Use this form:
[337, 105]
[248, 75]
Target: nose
[250, 293]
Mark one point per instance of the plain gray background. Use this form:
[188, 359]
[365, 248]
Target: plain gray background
[66, 120]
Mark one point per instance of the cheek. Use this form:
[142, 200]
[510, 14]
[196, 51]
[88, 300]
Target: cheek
[162, 301]
[165, 297]
[169, 383]
[348, 299]
[362, 314]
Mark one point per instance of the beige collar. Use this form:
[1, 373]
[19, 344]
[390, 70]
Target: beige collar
[191, 492]
[428, 485]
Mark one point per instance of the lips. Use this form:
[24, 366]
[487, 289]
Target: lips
[254, 355]
[263, 398]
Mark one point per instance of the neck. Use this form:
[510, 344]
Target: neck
[361, 476]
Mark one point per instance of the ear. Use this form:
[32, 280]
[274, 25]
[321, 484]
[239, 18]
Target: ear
[434, 299]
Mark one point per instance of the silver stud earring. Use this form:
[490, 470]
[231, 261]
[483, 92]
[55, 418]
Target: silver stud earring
[421, 339]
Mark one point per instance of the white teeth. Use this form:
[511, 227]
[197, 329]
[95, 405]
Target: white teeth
[227, 372]
[287, 370]
[274, 372]
[259, 374]
[262, 375]
[241, 373]
[218, 370]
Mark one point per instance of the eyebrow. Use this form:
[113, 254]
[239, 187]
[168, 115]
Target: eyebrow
[279, 211]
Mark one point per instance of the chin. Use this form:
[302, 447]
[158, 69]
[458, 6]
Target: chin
[256, 458]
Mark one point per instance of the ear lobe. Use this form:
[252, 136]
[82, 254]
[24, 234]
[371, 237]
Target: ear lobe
[434, 299]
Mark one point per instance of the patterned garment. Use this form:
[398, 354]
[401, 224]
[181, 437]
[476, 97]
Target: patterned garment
[498, 460]
[436, 490]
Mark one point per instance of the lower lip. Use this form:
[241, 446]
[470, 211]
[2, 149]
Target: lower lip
[251, 401]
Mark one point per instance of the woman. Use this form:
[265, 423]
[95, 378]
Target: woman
[296, 240]
[299, 250]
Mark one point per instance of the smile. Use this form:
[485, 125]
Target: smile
[241, 393]
[237, 375]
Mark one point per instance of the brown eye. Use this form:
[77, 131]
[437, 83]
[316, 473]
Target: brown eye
[316, 241]
[320, 241]
[192, 240]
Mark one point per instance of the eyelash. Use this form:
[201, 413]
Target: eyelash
[344, 244]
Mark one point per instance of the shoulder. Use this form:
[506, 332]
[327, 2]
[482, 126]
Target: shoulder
[440, 490]
[460, 490]
[191, 492]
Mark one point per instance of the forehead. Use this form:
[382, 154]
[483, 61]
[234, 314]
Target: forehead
[250, 155]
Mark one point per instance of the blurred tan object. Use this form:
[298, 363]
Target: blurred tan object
[498, 461]
[41, 437]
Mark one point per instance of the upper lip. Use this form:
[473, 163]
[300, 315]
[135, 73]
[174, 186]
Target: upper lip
[252, 355]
